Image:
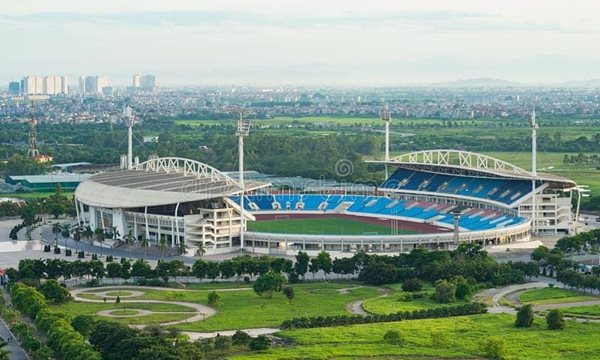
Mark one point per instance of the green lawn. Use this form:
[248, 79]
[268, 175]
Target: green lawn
[241, 309]
[449, 338]
[592, 310]
[326, 226]
[553, 296]
[396, 301]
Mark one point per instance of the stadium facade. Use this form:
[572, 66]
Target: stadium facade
[455, 196]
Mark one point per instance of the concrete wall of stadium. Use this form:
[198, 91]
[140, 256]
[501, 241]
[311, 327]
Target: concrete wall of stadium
[290, 244]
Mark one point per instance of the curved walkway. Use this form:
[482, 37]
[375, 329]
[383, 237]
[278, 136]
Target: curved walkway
[201, 311]
[356, 307]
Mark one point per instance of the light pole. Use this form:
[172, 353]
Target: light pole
[384, 114]
[243, 130]
[128, 112]
[534, 127]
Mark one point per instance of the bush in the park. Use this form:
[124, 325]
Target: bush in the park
[493, 348]
[412, 285]
[241, 338]
[259, 343]
[80, 255]
[213, 298]
[463, 288]
[83, 324]
[118, 300]
[393, 337]
[222, 343]
[524, 316]
[269, 283]
[55, 293]
[288, 291]
[109, 258]
[56, 250]
[68, 252]
[555, 320]
[445, 292]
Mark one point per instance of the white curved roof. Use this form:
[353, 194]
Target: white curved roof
[465, 160]
[159, 181]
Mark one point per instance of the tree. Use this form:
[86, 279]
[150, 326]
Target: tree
[555, 320]
[129, 240]
[200, 268]
[83, 324]
[54, 292]
[65, 231]
[445, 292]
[378, 273]
[144, 242]
[412, 285]
[302, 261]
[212, 270]
[288, 291]
[259, 343]
[56, 230]
[162, 245]
[524, 316]
[463, 288]
[113, 270]
[222, 343]
[141, 268]
[241, 338]
[324, 262]
[268, 283]
[3, 352]
[393, 337]
[213, 298]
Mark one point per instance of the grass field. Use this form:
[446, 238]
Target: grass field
[592, 310]
[396, 301]
[553, 296]
[450, 338]
[35, 195]
[329, 226]
[237, 309]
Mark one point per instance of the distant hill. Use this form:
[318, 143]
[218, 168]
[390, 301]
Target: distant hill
[593, 83]
[479, 82]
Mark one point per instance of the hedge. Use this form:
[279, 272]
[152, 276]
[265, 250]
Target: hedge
[62, 337]
[438, 312]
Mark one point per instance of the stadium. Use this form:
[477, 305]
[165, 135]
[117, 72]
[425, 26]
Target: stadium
[434, 199]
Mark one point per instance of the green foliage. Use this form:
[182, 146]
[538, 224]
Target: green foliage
[412, 285]
[445, 292]
[555, 320]
[378, 273]
[393, 337]
[213, 298]
[54, 293]
[493, 348]
[222, 343]
[288, 291]
[241, 338]
[463, 288]
[83, 324]
[439, 312]
[269, 283]
[524, 316]
[259, 343]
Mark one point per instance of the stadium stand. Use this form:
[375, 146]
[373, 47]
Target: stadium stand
[472, 219]
[505, 191]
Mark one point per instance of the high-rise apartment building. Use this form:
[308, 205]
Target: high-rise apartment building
[136, 81]
[44, 85]
[92, 85]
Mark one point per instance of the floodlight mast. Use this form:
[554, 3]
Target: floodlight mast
[384, 114]
[128, 112]
[243, 130]
[534, 127]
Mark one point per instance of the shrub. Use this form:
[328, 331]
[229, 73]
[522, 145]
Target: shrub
[222, 343]
[393, 337]
[80, 255]
[524, 316]
[213, 298]
[241, 338]
[47, 248]
[493, 348]
[56, 250]
[555, 320]
[412, 285]
[269, 283]
[68, 252]
[118, 300]
[293, 277]
[55, 293]
[288, 291]
[259, 343]
[83, 324]
[109, 258]
[463, 288]
[445, 292]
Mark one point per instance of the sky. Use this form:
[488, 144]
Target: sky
[287, 42]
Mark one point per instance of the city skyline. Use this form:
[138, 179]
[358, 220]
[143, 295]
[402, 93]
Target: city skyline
[338, 43]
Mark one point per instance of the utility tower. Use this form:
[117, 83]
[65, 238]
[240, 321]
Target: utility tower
[128, 112]
[534, 127]
[384, 114]
[243, 130]
[33, 151]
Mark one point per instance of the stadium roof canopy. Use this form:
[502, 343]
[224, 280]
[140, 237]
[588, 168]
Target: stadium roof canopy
[159, 181]
[470, 164]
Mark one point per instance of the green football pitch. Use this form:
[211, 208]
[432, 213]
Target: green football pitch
[326, 226]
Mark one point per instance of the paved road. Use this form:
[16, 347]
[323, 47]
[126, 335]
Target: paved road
[15, 350]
